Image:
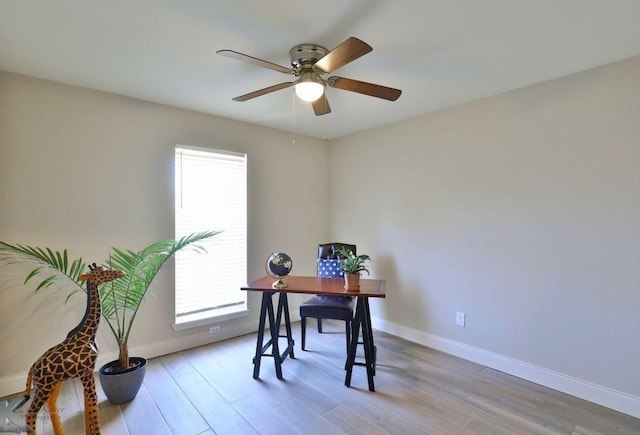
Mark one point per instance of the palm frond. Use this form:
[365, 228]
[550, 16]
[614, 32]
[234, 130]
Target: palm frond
[122, 298]
[51, 266]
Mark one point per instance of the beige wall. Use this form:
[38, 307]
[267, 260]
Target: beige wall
[86, 170]
[522, 210]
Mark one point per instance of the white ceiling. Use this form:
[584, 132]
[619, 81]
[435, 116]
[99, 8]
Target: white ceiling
[439, 52]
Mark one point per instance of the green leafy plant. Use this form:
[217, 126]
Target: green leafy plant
[122, 298]
[353, 264]
[54, 265]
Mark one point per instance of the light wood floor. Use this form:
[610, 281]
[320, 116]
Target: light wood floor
[210, 390]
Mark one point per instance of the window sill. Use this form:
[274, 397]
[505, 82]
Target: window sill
[209, 318]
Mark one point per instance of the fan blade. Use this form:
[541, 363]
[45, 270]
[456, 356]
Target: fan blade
[371, 89]
[321, 105]
[348, 51]
[254, 60]
[259, 92]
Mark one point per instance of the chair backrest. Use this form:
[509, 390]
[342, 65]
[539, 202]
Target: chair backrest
[329, 259]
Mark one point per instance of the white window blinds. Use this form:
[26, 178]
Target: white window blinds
[210, 194]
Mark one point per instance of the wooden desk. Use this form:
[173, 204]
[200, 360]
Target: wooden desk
[322, 286]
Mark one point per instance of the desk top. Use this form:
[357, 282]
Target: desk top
[374, 288]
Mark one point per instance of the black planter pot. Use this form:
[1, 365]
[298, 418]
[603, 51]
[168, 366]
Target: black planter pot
[123, 386]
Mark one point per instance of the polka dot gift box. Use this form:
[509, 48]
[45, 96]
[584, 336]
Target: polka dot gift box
[329, 269]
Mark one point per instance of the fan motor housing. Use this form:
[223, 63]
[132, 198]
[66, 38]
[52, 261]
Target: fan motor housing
[305, 55]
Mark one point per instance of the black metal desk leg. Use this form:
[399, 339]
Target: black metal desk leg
[267, 314]
[369, 348]
[283, 308]
[275, 331]
[266, 300]
[353, 346]
[362, 320]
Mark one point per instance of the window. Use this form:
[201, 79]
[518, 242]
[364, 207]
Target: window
[210, 194]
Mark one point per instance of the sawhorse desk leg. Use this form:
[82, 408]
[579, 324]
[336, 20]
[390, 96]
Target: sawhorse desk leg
[362, 321]
[275, 320]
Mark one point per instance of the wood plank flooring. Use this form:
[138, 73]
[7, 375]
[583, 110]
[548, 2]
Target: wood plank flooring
[210, 390]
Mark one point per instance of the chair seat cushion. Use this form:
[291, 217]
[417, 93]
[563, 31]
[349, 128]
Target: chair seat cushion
[328, 307]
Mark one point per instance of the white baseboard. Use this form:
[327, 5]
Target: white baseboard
[608, 397]
[12, 384]
[617, 400]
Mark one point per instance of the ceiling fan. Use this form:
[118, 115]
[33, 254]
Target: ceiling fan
[309, 62]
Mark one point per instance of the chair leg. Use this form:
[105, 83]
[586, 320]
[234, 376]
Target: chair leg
[303, 326]
[348, 333]
[320, 325]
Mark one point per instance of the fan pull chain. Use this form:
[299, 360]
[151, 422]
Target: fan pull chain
[325, 122]
[181, 181]
[293, 117]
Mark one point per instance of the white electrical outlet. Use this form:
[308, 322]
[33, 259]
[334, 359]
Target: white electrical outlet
[460, 318]
[214, 329]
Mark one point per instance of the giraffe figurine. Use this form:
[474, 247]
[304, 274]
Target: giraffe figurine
[75, 357]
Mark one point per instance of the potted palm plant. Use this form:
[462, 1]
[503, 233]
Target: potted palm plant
[352, 265]
[120, 300]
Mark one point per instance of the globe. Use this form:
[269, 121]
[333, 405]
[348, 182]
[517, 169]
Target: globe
[278, 266]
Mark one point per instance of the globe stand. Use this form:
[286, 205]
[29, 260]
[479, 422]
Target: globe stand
[279, 284]
[278, 266]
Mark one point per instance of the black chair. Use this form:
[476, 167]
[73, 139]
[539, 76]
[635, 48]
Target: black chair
[329, 307]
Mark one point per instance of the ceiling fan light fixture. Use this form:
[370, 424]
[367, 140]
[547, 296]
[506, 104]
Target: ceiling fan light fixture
[309, 88]
[309, 62]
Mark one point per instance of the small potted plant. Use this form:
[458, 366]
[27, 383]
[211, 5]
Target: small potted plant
[352, 265]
